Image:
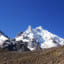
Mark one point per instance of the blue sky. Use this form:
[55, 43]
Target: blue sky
[16, 15]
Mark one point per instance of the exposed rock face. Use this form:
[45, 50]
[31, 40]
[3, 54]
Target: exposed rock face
[14, 46]
[8, 45]
[20, 45]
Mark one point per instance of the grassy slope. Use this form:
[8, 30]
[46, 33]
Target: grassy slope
[50, 56]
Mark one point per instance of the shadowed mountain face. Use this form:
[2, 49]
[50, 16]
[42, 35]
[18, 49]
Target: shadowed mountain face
[30, 40]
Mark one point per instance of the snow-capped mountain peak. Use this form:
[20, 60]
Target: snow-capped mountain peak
[40, 27]
[29, 29]
[32, 39]
[45, 38]
[3, 38]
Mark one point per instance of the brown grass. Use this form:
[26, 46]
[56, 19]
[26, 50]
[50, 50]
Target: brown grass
[49, 56]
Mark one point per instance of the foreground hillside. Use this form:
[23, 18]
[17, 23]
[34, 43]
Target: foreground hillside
[50, 56]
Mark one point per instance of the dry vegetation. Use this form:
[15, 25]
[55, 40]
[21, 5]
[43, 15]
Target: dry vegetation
[50, 56]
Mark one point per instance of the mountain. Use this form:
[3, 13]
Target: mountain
[31, 39]
[39, 38]
[3, 38]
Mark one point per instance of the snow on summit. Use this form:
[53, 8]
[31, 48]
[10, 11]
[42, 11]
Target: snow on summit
[3, 38]
[33, 39]
[45, 38]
